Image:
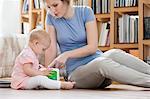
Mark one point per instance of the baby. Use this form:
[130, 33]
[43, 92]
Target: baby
[26, 73]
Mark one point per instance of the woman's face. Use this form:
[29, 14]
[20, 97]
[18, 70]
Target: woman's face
[57, 8]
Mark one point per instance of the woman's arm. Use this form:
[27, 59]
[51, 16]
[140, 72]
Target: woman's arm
[51, 52]
[90, 48]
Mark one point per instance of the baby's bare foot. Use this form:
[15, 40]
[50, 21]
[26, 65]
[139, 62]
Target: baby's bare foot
[67, 85]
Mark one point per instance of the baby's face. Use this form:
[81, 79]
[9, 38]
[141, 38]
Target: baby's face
[42, 47]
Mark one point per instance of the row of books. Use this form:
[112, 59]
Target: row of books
[128, 29]
[147, 60]
[37, 5]
[101, 6]
[104, 39]
[147, 54]
[125, 3]
[80, 2]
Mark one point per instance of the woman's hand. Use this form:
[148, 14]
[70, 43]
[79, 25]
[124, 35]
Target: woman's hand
[60, 61]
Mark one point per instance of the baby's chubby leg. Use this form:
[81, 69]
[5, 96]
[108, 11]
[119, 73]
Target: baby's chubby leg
[45, 82]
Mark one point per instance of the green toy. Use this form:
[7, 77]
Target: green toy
[54, 74]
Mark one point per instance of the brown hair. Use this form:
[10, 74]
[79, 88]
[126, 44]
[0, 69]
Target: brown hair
[67, 1]
[38, 34]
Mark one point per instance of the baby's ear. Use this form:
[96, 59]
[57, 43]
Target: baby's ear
[35, 42]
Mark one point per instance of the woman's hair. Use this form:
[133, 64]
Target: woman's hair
[67, 1]
[39, 34]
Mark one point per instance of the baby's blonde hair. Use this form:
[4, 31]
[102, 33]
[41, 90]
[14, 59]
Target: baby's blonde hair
[39, 34]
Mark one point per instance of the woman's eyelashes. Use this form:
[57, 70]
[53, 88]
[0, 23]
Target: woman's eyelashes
[48, 7]
[55, 5]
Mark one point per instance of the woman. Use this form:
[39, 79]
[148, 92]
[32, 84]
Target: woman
[74, 29]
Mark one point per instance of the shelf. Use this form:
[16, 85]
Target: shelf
[104, 48]
[148, 5]
[146, 42]
[145, 1]
[123, 46]
[102, 16]
[25, 18]
[33, 15]
[126, 9]
[36, 10]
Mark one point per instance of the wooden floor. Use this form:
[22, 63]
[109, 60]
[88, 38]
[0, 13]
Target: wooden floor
[112, 92]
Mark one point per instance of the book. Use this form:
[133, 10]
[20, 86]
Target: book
[147, 60]
[146, 27]
[4, 83]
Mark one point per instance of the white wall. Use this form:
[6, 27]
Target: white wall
[9, 17]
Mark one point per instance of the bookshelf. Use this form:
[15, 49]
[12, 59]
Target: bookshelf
[32, 15]
[103, 20]
[144, 43]
[114, 12]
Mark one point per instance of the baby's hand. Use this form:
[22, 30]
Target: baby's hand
[46, 72]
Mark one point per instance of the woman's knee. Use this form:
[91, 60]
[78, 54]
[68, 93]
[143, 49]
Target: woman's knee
[100, 63]
[111, 53]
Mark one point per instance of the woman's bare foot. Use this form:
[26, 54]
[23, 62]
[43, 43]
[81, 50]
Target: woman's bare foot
[67, 85]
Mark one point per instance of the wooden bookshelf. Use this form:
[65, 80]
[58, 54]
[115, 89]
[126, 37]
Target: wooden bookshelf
[125, 46]
[102, 16]
[37, 10]
[24, 18]
[126, 9]
[105, 48]
[32, 16]
[144, 44]
[115, 13]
